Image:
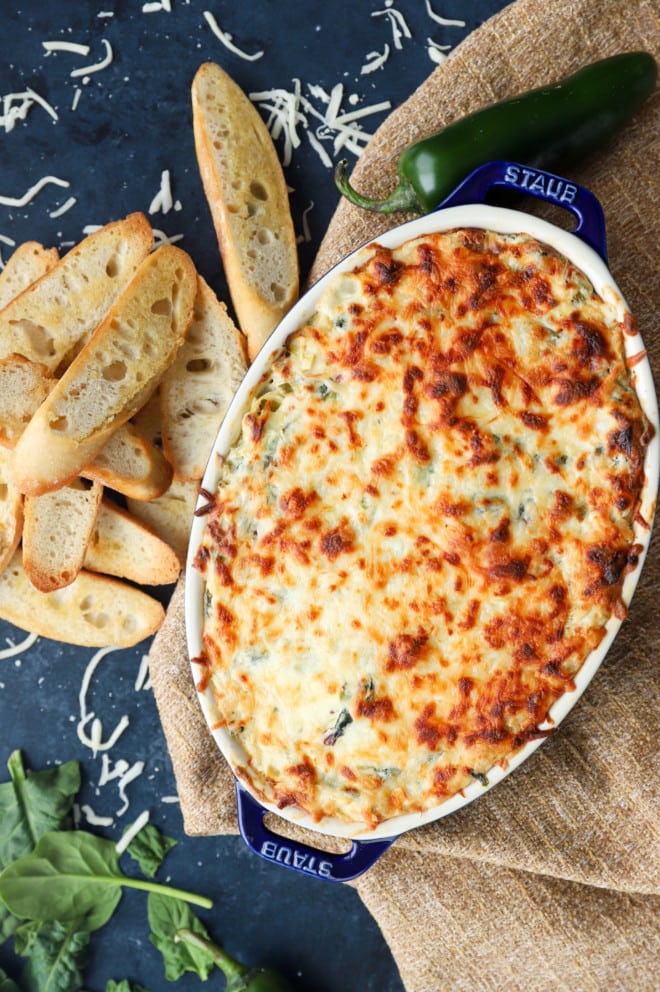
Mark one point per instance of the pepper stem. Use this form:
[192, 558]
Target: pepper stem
[403, 197]
[233, 970]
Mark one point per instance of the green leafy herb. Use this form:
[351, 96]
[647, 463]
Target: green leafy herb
[166, 917]
[74, 875]
[57, 955]
[149, 848]
[6, 984]
[31, 804]
[240, 977]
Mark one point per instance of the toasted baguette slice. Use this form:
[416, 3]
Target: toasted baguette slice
[197, 388]
[11, 510]
[113, 375]
[170, 515]
[247, 195]
[94, 611]
[120, 545]
[24, 385]
[131, 465]
[56, 532]
[49, 319]
[29, 262]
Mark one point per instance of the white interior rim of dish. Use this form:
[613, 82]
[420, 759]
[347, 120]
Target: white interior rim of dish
[504, 221]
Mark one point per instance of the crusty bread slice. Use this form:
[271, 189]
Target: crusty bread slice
[29, 262]
[11, 510]
[131, 465]
[249, 202]
[94, 611]
[120, 545]
[113, 375]
[57, 529]
[24, 386]
[49, 319]
[199, 385]
[170, 515]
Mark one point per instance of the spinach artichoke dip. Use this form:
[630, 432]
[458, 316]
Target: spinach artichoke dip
[423, 526]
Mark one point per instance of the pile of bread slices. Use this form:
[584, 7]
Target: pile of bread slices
[117, 364]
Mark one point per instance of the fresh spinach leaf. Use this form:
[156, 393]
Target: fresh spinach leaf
[149, 848]
[57, 955]
[166, 916]
[33, 803]
[74, 876]
[6, 983]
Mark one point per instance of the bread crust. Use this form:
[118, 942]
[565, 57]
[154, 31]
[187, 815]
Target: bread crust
[249, 203]
[112, 376]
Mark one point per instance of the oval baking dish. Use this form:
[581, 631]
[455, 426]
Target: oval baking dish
[464, 209]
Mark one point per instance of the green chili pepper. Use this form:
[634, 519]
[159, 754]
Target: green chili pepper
[544, 128]
[240, 977]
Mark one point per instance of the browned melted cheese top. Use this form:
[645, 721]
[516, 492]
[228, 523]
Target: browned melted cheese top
[423, 527]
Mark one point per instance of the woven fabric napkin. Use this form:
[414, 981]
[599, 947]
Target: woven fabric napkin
[550, 881]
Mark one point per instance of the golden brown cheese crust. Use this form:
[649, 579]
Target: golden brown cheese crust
[423, 527]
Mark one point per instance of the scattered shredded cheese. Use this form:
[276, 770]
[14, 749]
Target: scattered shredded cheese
[94, 819]
[107, 774]
[16, 107]
[76, 98]
[442, 20]
[436, 52]
[160, 238]
[375, 60]
[157, 5]
[169, 799]
[66, 46]
[15, 649]
[163, 201]
[142, 680]
[71, 202]
[132, 832]
[87, 70]
[21, 201]
[133, 772]
[398, 23]
[306, 235]
[94, 740]
[227, 39]
[290, 110]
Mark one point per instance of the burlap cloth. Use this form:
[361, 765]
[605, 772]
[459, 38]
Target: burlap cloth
[548, 882]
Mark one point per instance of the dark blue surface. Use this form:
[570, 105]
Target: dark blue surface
[131, 122]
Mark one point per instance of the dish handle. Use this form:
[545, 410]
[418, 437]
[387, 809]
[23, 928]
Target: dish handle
[301, 857]
[547, 186]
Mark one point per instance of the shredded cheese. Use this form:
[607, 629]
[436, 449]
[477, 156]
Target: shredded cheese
[17, 106]
[87, 70]
[142, 680]
[290, 110]
[71, 202]
[446, 22]
[133, 772]
[94, 819]
[375, 60]
[227, 39]
[94, 741]
[435, 51]
[132, 832]
[163, 201]
[160, 238]
[65, 46]
[398, 23]
[15, 649]
[156, 6]
[21, 201]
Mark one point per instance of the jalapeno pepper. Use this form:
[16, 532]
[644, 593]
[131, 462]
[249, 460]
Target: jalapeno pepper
[240, 977]
[545, 128]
